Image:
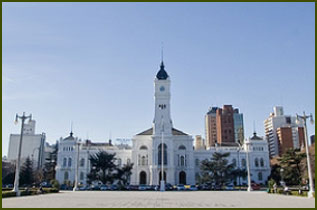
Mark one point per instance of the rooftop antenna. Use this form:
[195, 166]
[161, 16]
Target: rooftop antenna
[71, 128]
[254, 131]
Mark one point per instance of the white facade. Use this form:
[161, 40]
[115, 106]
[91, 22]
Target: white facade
[32, 145]
[180, 160]
[276, 120]
[68, 157]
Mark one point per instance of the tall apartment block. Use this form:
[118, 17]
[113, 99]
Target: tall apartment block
[211, 127]
[282, 132]
[223, 126]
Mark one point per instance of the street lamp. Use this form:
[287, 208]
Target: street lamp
[77, 167]
[311, 184]
[248, 169]
[282, 179]
[162, 188]
[18, 163]
[239, 168]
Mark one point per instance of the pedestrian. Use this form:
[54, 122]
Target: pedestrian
[275, 188]
[286, 190]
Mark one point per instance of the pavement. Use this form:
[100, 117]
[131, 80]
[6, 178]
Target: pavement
[152, 199]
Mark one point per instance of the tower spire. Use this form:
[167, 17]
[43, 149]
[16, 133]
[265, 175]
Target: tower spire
[162, 52]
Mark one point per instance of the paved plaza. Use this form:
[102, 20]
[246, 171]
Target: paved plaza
[152, 199]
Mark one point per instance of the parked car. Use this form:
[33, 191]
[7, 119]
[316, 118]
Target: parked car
[255, 186]
[83, 188]
[65, 187]
[168, 187]
[94, 187]
[114, 187]
[153, 187]
[104, 187]
[142, 187]
[180, 187]
[204, 187]
[229, 187]
[216, 187]
[45, 184]
[193, 188]
[132, 187]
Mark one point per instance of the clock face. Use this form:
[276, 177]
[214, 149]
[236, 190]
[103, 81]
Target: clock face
[162, 88]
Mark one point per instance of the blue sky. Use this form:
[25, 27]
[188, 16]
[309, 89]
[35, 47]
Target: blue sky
[95, 63]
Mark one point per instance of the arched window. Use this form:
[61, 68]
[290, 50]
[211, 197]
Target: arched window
[159, 154]
[256, 161]
[81, 175]
[197, 162]
[128, 161]
[143, 147]
[244, 163]
[82, 162]
[66, 175]
[182, 160]
[262, 162]
[69, 162]
[234, 162]
[260, 176]
[182, 147]
[143, 161]
[65, 162]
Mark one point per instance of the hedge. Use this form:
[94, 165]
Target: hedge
[6, 194]
[292, 192]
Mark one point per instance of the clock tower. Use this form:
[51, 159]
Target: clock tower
[162, 96]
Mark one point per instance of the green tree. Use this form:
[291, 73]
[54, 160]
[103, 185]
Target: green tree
[275, 173]
[218, 169]
[102, 167]
[291, 163]
[50, 164]
[239, 173]
[123, 174]
[26, 174]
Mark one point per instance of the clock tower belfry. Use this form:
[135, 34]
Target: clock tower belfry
[162, 96]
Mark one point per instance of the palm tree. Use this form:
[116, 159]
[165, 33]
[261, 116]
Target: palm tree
[102, 167]
[124, 173]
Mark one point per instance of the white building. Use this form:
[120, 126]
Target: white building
[180, 160]
[32, 145]
[276, 120]
[73, 151]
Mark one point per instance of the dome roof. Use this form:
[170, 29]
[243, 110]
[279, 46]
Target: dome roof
[162, 74]
[255, 137]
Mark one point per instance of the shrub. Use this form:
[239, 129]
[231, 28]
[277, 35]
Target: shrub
[55, 183]
[7, 194]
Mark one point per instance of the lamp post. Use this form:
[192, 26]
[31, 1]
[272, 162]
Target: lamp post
[248, 169]
[282, 179]
[239, 168]
[77, 168]
[311, 184]
[18, 162]
[162, 188]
